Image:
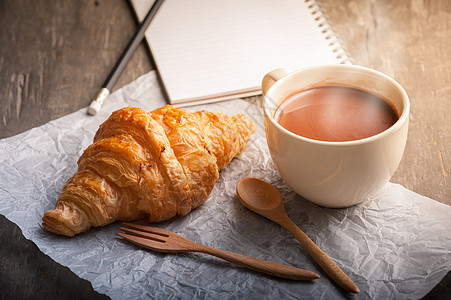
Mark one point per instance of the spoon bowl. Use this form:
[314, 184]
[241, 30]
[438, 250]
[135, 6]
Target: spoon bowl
[264, 199]
[258, 194]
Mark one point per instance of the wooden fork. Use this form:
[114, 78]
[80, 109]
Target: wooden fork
[163, 240]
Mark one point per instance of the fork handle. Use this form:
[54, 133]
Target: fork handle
[259, 265]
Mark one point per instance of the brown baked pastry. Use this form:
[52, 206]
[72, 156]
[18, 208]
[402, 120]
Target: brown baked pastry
[151, 165]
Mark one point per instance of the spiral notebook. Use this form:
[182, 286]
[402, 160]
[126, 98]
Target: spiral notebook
[209, 50]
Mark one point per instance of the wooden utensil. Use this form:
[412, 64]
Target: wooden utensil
[162, 240]
[264, 199]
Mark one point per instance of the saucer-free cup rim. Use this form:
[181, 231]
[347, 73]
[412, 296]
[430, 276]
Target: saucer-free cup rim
[398, 124]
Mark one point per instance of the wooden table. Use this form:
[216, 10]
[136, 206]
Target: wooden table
[55, 54]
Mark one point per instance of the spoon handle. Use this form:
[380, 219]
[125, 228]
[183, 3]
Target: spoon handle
[326, 263]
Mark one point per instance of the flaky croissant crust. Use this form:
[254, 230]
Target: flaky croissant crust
[153, 165]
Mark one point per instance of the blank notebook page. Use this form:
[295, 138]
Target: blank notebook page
[205, 49]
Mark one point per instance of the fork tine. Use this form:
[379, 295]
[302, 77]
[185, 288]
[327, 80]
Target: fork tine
[140, 241]
[155, 230]
[143, 234]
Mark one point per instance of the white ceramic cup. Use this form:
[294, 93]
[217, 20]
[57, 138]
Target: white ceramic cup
[335, 174]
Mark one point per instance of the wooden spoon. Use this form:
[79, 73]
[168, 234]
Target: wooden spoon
[264, 199]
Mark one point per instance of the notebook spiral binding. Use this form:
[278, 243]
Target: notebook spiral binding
[326, 29]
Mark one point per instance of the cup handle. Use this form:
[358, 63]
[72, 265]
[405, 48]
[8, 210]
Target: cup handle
[271, 78]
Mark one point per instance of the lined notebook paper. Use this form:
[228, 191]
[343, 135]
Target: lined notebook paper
[210, 50]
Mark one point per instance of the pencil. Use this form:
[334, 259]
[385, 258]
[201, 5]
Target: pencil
[109, 83]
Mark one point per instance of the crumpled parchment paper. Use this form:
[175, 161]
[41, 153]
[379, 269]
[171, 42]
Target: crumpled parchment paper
[394, 245]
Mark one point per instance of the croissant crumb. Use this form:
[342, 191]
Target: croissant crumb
[148, 165]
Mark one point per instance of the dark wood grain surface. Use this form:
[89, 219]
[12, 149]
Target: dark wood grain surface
[55, 54]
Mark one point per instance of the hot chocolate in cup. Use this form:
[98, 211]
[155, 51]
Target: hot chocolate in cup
[336, 133]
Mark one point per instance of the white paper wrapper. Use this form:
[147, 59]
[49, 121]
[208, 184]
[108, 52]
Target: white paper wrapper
[394, 246]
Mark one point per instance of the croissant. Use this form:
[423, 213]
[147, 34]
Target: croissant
[148, 165]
